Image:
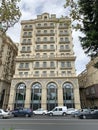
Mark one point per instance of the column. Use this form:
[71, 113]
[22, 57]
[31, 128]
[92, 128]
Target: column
[77, 98]
[60, 96]
[28, 98]
[44, 98]
[12, 98]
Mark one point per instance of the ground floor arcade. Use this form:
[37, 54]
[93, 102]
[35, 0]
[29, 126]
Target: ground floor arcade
[45, 93]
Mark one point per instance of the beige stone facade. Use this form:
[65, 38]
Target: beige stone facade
[8, 52]
[88, 84]
[45, 66]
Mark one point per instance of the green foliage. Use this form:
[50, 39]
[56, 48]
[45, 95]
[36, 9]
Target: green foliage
[85, 13]
[9, 13]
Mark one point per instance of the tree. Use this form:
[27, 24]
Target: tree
[9, 13]
[85, 14]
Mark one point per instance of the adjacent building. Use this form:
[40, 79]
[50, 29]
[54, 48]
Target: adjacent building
[8, 52]
[88, 84]
[45, 73]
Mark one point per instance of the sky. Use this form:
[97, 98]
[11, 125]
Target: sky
[31, 8]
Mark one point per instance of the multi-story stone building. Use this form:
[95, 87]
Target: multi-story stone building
[8, 52]
[88, 84]
[45, 66]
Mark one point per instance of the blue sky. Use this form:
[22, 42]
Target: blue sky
[31, 8]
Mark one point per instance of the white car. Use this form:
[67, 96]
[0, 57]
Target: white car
[70, 111]
[59, 110]
[4, 114]
[40, 111]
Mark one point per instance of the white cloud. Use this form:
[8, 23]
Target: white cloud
[30, 9]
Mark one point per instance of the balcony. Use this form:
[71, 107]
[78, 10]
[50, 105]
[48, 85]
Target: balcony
[63, 27]
[20, 68]
[44, 67]
[51, 41]
[63, 49]
[66, 41]
[64, 34]
[25, 51]
[44, 27]
[45, 49]
[27, 28]
[26, 43]
[27, 36]
[45, 34]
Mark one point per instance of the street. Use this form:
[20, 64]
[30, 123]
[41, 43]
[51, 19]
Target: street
[48, 123]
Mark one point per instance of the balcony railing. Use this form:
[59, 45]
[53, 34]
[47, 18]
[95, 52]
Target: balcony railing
[45, 34]
[43, 26]
[63, 34]
[63, 49]
[27, 28]
[27, 36]
[45, 49]
[51, 41]
[26, 43]
[47, 75]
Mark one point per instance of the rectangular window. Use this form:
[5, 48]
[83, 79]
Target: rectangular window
[28, 48]
[45, 38]
[29, 41]
[26, 65]
[51, 64]
[62, 64]
[21, 65]
[51, 46]
[68, 63]
[37, 64]
[44, 47]
[29, 33]
[67, 47]
[36, 72]
[38, 47]
[51, 38]
[62, 47]
[44, 64]
[20, 73]
[23, 49]
[25, 73]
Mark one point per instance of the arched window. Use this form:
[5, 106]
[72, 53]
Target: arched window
[20, 95]
[68, 94]
[51, 96]
[36, 91]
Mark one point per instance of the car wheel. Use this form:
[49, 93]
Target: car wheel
[27, 115]
[43, 114]
[1, 117]
[51, 114]
[84, 117]
[64, 114]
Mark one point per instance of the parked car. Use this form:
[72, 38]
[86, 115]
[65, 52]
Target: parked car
[70, 111]
[22, 112]
[4, 114]
[76, 113]
[60, 110]
[40, 111]
[85, 112]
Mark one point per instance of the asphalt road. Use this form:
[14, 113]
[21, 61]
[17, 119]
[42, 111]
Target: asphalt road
[51, 123]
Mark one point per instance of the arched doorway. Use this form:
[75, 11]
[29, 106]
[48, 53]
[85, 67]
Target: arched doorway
[68, 96]
[20, 95]
[51, 96]
[36, 92]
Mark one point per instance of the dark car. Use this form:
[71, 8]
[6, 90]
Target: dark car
[22, 112]
[82, 112]
[93, 114]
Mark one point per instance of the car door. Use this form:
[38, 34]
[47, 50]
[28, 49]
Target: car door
[20, 112]
[55, 111]
[58, 111]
